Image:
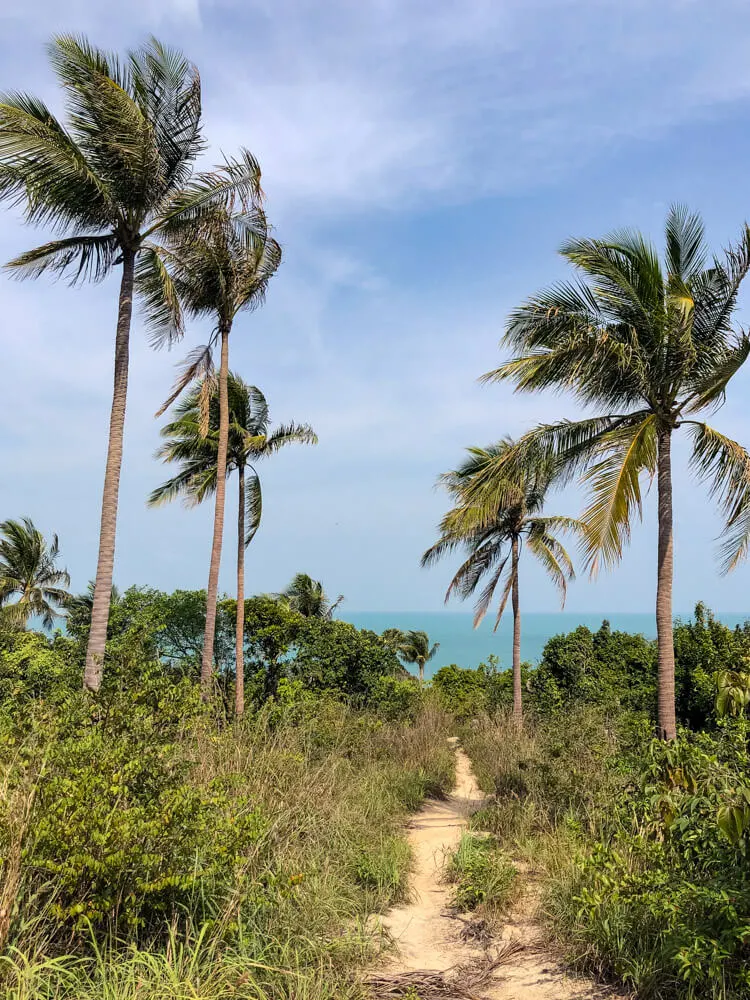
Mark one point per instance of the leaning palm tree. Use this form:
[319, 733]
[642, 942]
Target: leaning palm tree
[28, 571]
[649, 343]
[220, 268]
[494, 546]
[197, 454]
[307, 597]
[112, 181]
[415, 648]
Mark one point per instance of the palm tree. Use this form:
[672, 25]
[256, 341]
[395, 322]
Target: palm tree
[307, 597]
[648, 343]
[112, 181]
[415, 648]
[218, 269]
[490, 545]
[249, 440]
[393, 639]
[28, 571]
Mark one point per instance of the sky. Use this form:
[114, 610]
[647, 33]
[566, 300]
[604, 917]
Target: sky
[422, 163]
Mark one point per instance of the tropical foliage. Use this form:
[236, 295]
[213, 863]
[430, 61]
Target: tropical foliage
[307, 597]
[649, 343]
[114, 180]
[195, 448]
[218, 267]
[30, 574]
[494, 545]
[414, 647]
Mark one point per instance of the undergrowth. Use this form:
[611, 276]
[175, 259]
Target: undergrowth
[147, 852]
[481, 874]
[642, 846]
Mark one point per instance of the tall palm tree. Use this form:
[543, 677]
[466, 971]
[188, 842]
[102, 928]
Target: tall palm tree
[649, 343]
[415, 648]
[494, 546]
[112, 181]
[307, 597]
[29, 572]
[197, 453]
[220, 268]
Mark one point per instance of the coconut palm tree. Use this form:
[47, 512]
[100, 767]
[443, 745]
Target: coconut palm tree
[307, 597]
[649, 344]
[220, 268]
[197, 453]
[393, 638]
[494, 546]
[29, 572]
[415, 648]
[112, 181]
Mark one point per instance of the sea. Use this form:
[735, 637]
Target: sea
[465, 646]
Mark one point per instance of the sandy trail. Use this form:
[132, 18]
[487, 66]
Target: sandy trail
[429, 937]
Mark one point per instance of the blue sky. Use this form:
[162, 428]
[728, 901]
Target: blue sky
[422, 162]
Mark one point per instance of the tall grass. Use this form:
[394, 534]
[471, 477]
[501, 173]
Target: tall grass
[322, 796]
[641, 881]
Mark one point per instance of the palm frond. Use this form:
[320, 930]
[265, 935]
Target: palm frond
[197, 365]
[44, 170]
[82, 258]
[503, 602]
[710, 389]
[486, 594]
[160, 303]
[253, 505]
[686, 251]
[725, 466]
[232, 187]
[553, 556]
[616, 490]
[167, 87]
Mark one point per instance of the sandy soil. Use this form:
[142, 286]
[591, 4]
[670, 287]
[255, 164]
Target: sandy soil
[429, 937]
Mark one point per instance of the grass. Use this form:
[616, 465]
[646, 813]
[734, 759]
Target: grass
[482, 875]
[327, 796]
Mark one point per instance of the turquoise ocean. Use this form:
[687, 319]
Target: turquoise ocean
[467, 647]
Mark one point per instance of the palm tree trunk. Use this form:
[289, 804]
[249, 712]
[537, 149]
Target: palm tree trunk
[207, 664]
[517, 691]
[94, 668]
[665, 574]
[421, 672]
[239, 657]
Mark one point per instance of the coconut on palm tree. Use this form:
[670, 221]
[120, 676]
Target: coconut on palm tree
[218, 269]
[649, 344]
[415, 648]
[249, 440]
[29, 573]
[112, 181]
[494, 546]
[307, 597]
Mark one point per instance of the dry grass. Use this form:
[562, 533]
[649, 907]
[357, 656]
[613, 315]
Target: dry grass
[460, 982]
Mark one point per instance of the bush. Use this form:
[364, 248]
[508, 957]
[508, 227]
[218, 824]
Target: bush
[129, 818]
[481, 873]
[395, 699]
[663, 901]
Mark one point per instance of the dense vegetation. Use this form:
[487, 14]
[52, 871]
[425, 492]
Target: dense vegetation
[150, 848]
[641, 845]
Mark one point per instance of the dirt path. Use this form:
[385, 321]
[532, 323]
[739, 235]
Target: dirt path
[430, 938]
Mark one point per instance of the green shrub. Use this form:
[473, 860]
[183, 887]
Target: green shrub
[396, 699]
[481, 874]
[384, 868]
